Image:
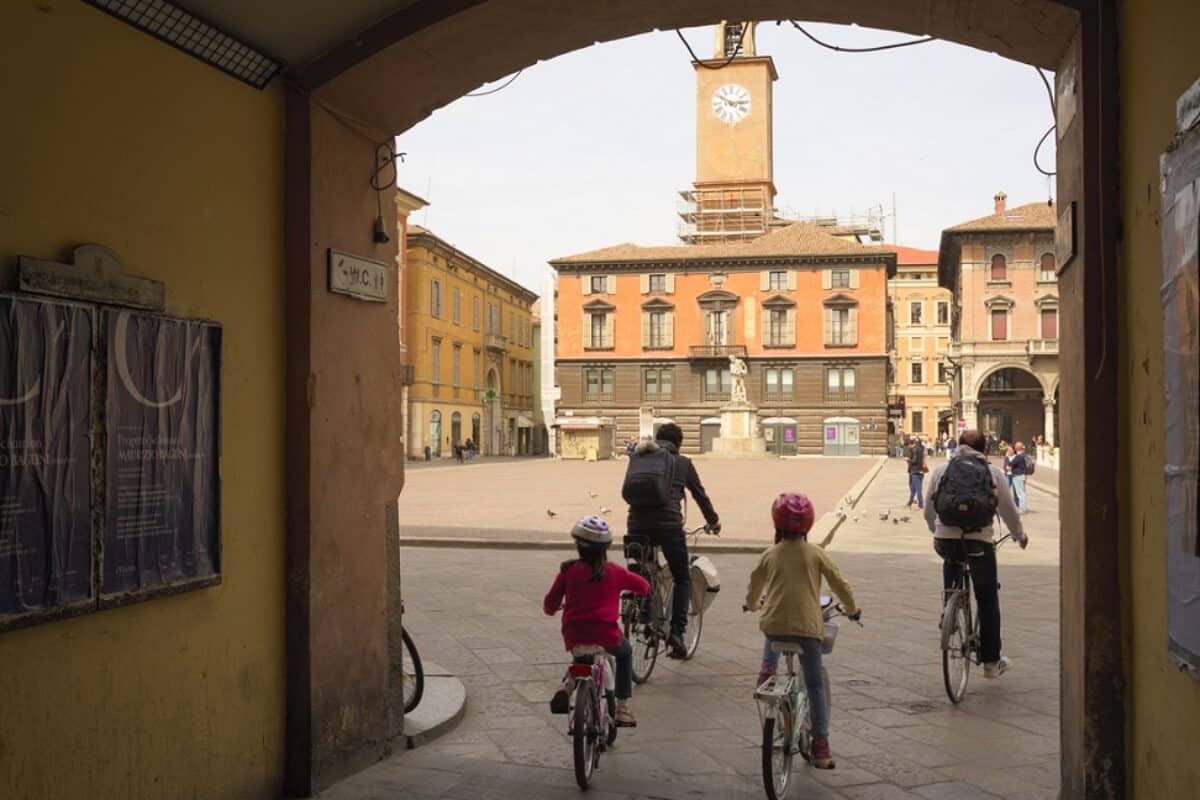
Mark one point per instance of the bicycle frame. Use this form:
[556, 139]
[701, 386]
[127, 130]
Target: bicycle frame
[602, 672]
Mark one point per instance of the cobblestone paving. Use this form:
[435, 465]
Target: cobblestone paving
[894, 733]
[492, 499]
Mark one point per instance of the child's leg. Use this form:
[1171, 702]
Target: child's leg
[623, 654]
[770, 659]
[814, 682]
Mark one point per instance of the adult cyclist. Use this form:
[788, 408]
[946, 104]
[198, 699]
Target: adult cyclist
[661, 522]
[965, 494]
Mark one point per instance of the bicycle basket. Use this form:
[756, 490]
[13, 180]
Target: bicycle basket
[831, 631]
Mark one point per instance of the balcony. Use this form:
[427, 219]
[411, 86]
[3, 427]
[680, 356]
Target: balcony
[495, 342]
[1004, 347]
[716, 352]
[1042, 347]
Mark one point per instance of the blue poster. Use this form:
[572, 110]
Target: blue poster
[45, 456]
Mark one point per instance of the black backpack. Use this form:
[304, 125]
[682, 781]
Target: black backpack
[648, 479]
[966, 497]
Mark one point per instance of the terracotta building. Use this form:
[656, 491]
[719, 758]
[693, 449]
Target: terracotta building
[469, 341]
[919, 399]
[1002, 272]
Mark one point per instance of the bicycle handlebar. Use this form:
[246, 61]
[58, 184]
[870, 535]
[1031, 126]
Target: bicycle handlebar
[699, 530]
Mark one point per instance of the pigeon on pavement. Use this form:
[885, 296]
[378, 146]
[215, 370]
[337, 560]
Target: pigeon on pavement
[550, 514]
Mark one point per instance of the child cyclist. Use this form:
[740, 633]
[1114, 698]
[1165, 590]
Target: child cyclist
[588, 589]
[787, 580]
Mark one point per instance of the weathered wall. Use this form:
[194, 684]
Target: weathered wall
[1159, 59]
[116, 138]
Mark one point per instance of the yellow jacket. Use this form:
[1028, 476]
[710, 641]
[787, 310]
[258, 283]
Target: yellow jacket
[789, 574]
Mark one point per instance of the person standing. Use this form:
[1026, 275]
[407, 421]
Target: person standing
[915, 456]
[965, 494]
[654, 486]
[1020, 468]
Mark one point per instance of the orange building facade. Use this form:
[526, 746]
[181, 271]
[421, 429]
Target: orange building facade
[647, 332]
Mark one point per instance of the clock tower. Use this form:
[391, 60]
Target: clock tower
[733, 196]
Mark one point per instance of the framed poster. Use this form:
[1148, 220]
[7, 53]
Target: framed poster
[46, 555]
[1181, 383]
[162, 509]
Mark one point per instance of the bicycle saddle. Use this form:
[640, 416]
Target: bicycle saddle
[787, 647]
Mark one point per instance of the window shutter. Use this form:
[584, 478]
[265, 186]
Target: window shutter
[644, 283]
[791, 326]
[611, 283]
[670, 283]
[608, 327]
[587, 284]
[853, 278]
[645, 329]
[791, 280]
[764, 280]
[669, 330]
[828, 325]
[766, 326]
[587, 330]
[852, 322]
[826, 279]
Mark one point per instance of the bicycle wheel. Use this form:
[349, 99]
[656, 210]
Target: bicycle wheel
[642, 633]
[412, 679]
[776, 755]
[695, 624]
[583, 733]
[956, 647]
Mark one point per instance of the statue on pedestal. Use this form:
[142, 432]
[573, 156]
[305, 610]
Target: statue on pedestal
[737, 371]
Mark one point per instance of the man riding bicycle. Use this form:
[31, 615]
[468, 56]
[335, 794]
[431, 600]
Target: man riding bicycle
[968, 484]
[655, 517]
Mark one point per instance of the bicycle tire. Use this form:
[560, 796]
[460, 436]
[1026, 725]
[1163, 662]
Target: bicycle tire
[583, 738]
[412, 674]
[695, 625]
[611, 700]
[642, 636]
[956, 648]
[776, 776]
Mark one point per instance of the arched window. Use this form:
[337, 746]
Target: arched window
[435, 433]
[475, 426]
[435, 298]
[1048, 266]
[456, 428]
[999, 268]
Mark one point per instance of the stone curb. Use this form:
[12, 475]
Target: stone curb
[537, 544]
[1041, 487]
[830, 521]
[443, 705]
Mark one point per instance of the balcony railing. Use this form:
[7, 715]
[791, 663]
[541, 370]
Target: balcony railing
[1003, 347]
[777, 397]
[1042, 347]
[494, 341]
[715, 352]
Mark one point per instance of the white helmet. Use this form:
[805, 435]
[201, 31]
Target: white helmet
[592, 530]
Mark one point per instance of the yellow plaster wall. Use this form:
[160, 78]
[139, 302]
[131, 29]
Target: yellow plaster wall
[1159, 60]
[112, 137]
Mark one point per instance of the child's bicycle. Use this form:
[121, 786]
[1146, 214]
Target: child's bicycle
[646, 623]
[591, 720]
[783, 708]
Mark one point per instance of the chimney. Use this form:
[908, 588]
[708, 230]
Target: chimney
[1000, 199]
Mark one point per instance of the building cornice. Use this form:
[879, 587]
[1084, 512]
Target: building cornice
[434, 243]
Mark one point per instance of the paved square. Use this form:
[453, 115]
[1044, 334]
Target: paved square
[894, 733]
[508, 499]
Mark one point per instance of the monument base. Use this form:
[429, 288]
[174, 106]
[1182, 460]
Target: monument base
[739, 433]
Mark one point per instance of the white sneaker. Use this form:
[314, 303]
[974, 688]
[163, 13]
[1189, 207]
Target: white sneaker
[995, 670]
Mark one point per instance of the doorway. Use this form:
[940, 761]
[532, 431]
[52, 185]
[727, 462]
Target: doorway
[710, 429]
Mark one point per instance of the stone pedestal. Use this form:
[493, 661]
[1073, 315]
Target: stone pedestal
[739, 432]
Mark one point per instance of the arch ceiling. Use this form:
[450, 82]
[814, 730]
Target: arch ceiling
[391, 63]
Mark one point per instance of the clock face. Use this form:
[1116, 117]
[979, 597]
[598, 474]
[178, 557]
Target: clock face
[731, 103]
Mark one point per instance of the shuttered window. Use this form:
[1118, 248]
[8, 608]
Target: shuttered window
[841, 325]
[999, 325]
[999, 268]
[1049, 323]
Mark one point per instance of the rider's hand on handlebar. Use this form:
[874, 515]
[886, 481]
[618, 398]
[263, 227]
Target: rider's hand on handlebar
[1024, 542]
[715, 529]
[856, 616]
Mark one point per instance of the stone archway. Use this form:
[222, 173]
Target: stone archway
[1011, 405]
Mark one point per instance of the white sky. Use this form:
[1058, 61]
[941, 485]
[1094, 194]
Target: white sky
[589, 149]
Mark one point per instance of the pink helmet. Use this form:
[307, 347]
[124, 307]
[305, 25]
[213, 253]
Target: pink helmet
[792, 512]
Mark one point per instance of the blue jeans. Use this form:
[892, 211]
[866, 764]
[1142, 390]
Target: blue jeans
[915, 479]
[623, 655]
[814, 678]
[1018, 484]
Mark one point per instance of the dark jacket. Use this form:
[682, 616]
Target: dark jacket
[1018, 464]
[916, 458]
[670, 518]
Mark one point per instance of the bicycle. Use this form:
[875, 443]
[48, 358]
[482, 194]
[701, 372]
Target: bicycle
[412, 676]
[646, 623]
[783, 708]
[591, 724]
[960, 638]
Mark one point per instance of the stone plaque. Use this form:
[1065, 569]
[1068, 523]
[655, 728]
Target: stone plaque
[358, 277]
[96, 275]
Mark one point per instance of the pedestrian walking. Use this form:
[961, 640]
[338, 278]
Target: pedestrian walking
[915, 456]
[1020, 468]
[458, 452]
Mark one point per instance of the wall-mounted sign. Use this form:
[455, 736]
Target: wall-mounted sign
[96, 274]
[45, 457]
[162, 510]
[358, 277]
[1064, 237]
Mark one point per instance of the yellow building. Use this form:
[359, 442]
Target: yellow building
[919, 399]
[469, 340]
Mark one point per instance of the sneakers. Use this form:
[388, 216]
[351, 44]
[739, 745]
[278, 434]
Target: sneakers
[624, 716]
[821, 757]
[997, 668]
[765, 674]
[675, 646]
[561, 702]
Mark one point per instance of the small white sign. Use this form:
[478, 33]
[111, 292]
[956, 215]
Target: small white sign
[358, 277]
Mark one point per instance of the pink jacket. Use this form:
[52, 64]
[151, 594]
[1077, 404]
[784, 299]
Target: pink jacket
[591, 608]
